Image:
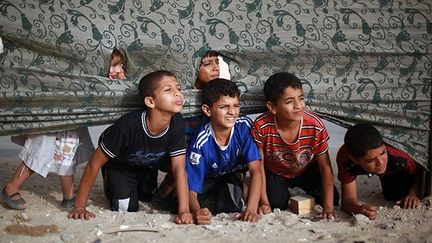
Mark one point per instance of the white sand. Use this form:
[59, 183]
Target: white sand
[44, 213]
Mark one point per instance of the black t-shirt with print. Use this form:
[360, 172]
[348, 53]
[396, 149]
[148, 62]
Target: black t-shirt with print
[128, 141]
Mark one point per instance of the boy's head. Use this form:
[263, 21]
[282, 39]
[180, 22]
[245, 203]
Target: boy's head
[221, 102]
[117, 65]
[208, 68]
[284, 96]
[117, 56]
[161, 90]
[366, 147]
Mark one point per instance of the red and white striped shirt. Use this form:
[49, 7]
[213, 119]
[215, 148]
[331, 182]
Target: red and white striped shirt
[290, 159]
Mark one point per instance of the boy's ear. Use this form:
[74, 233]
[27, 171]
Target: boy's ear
[271, 107]
[149, 102]
[206, 109]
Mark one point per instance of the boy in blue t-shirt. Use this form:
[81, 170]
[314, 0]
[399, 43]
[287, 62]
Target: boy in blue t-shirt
[136, 146]
[219, 154]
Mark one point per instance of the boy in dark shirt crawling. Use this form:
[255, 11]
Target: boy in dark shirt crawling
[136, 146]
[366, 153]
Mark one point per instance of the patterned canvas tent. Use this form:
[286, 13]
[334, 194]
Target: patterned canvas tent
[358, 60]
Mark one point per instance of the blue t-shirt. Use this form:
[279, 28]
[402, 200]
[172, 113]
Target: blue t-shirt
[205, 158]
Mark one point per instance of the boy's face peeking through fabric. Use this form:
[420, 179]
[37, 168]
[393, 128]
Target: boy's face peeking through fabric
[116, 68]
[290, 105]
[167, 96]
[374, 161]
[223, 112]
[209, 69]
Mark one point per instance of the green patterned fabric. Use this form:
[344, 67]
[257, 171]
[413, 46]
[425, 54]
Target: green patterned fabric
[358, 60]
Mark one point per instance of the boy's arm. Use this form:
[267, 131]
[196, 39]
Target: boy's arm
[263, 202]
[351, 205]
[195, 169]
[193, 202]
[202, 215]
[254, 194]
[91, 171]
[326, 172]
[179, 172]
[412, 200]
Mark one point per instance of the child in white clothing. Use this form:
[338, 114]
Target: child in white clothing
[58, 152]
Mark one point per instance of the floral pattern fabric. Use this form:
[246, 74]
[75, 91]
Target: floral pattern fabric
[358, 60]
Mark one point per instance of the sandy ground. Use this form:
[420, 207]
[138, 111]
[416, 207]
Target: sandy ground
[45, 221]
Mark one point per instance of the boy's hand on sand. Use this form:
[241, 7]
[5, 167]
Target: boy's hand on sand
[247, 216]
[202, 216]
[369, 211]
[184, 218]
[327, 212]
[81, 213]
[409, 202]
[264, 209]
[328, 215]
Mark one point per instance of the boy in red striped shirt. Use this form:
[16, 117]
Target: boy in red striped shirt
[365, 153]
[293, 145]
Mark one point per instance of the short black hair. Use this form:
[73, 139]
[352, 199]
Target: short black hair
[210, 53]
[362, 137]
[277, 83]
[149, 82]
[216, 88]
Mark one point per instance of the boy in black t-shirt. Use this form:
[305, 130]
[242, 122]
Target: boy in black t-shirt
[136, 146]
